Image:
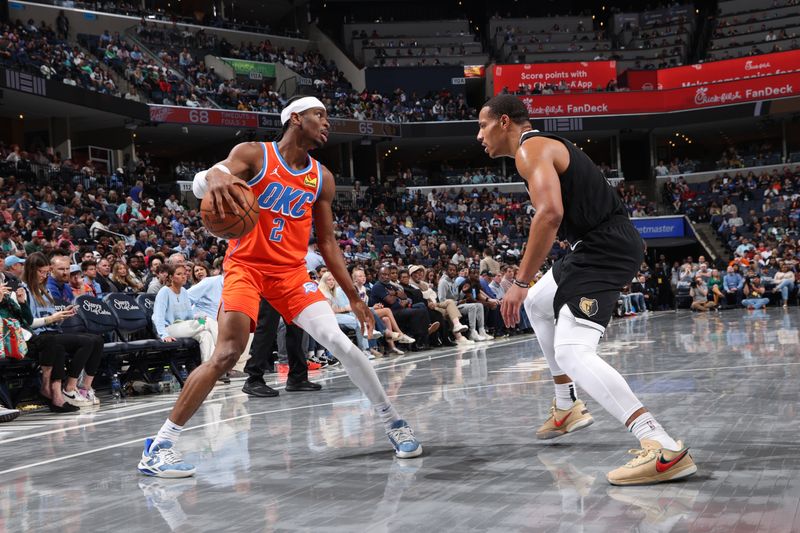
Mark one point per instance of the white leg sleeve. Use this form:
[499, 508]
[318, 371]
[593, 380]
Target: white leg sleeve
[576, 354]
[539, 306]
[320, 323]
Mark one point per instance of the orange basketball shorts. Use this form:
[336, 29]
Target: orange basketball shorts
[288, 292]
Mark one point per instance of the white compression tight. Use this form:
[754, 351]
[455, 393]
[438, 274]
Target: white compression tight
[576, 353]
[539, 306]
[320, 323]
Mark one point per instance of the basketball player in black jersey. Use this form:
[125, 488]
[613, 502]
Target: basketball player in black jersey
[571, 305]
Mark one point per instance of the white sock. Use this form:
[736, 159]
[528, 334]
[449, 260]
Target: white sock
[565, 395]
[170, 431]
[387, 414]
[647, 427]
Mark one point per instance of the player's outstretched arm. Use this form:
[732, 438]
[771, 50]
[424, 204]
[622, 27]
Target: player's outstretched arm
[536, 163]
[332, 254]
[243, 162]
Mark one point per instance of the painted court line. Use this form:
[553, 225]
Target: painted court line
[169, 402]
[355, 400]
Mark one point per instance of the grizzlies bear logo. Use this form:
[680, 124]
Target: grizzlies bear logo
[588, 306]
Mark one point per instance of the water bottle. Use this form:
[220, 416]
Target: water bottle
[174, 384]
[184, 373]
[166, 380]
[116, 388]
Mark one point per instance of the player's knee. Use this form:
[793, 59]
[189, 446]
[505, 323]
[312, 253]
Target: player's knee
[226, 355]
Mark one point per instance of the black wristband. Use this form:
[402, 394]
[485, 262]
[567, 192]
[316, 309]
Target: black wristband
[518, 283]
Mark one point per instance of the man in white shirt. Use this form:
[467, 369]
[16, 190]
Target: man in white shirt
[313, 257]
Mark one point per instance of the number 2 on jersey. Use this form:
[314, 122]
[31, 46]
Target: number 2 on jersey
[277, 230]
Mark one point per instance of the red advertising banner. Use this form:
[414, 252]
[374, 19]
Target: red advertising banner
[578, 75]
[639, 102]
[203, 117]
[716, 71]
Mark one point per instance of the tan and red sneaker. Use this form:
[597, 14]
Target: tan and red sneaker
[565, 421]
[654, 464]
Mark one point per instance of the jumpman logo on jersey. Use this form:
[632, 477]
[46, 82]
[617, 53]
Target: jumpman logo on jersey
[275, 172]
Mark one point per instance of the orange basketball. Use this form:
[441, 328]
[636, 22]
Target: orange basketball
[233, 226]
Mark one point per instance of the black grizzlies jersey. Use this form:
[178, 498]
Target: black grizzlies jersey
[588, 198]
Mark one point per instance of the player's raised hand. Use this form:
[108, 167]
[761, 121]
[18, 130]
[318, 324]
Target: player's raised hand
[223, 194]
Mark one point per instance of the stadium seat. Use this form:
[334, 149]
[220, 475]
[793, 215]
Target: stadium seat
[183, 350]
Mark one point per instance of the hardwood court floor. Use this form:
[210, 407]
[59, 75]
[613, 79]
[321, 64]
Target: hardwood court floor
[727, 383]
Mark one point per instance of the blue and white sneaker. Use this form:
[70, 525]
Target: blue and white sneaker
[163, 460]
[402, 438]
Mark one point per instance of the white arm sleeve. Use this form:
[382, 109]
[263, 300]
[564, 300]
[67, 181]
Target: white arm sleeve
[200, 185]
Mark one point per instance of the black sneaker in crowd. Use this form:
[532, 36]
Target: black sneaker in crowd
[259, 389]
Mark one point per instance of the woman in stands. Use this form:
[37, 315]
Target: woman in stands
[199, 272]
[173, 317]
[385, 322]
[341, 306]
[54, 348]
[122, 278]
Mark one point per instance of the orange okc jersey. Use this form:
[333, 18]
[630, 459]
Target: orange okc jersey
[279, 242]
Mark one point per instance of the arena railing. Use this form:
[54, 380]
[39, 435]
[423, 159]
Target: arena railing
[700, 177]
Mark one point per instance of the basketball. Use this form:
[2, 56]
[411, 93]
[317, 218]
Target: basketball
[232, 226]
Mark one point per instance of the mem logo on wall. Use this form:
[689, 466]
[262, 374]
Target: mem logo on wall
[26, 83]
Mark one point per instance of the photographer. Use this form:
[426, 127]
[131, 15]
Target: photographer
[699, 293]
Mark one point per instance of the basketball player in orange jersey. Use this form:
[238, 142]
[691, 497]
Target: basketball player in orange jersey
[292, 189]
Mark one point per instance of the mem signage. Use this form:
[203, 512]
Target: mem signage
[26, 83]
[255, 70]
[659, 227]
[577, 75]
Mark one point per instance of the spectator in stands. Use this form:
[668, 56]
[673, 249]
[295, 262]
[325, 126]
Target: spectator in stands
[448, 290]
[76, 283]
[199, 272]
[447, 307]
[784, 283]
[489, 262]
[62, 25]
[344, 315]
[715, 287]
[754, 293]
[388, 325]
[411, 320]
[53, 348]
[159, 280]
[639, 294]
[58, 280]
[14, 267]
[313, 257]
[699, 293]
[436, 333]
[89, 271]
[103, 277]
[122, 279]
[174, 318]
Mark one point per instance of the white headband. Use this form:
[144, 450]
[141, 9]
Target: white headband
[298, 106]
